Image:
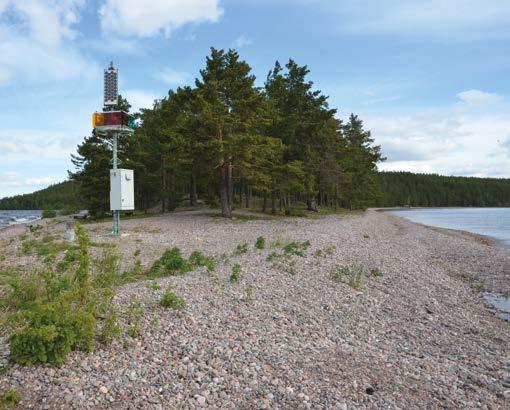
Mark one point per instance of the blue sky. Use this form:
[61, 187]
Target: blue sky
[429, 77]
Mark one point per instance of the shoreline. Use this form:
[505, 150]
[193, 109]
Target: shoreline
[416, 336]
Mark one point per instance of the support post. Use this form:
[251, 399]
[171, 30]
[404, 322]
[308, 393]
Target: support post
[116, 214]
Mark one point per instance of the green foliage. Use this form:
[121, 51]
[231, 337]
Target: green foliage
[236, 273]
[272, 256]
[49, 213]
[296, 248]
[171, 263]
[134, 314]
[375, 272]
[68, 210]
[171, 300]
[241, 248]
[353, 275]
[248, 292]
[408, 189]
[199, 259]
[59, 196]
[59, 309]
[111, 329]
[260, 243]
[9, 398]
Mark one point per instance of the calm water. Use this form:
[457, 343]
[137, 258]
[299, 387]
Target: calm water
[493, 222]
[8, 218]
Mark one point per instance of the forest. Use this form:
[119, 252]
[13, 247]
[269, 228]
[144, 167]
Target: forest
[226, 140]
[227, 143]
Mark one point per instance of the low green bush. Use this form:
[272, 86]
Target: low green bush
[171, 300]
[241, 248]
[260, 243]
[236, 273]
[199, 259]
[49, 213]
[9, 398]
[171, 263]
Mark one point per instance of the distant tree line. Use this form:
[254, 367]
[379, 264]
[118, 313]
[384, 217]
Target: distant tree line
[64, 195]
[408, 189]
[396, 189]
[226, 141]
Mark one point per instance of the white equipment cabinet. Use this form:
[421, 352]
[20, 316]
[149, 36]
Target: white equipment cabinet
[122, 190]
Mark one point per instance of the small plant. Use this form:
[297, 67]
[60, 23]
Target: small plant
[236, 273]
[170, 263]
[375, 272]
[155, 322]
[241, 248]
[278, 242]
[356, 278]
[248, 292]
[272, 256]
[154, 285]
[480, 286]
[260, 243]
[136, 253]
[199, 259]
[171, 300]
[296, 248]
[135, 313]
[9, 398]
[49, 213]
[111, 329]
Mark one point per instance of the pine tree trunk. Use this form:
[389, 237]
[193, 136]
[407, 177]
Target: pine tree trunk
[193, 190]
[273, 202]
[226, 210]
[230, 186]
[264, 203]
[163, 186]
[247, 193]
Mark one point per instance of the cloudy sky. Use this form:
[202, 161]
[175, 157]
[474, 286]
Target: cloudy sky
[430, 78]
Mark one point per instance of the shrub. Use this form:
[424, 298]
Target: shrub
[9, 398]
[241, 248]
[68, 210]
[49, 213]
[170, 263]
[339, 273]
[135, 313]
[171, 300]
[296, 248]
[111, 328]
[199, 259]
[260, 243]
[236, 273]
[356, 277]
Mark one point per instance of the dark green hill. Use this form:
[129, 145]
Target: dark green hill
[64, 195]
[408, 189]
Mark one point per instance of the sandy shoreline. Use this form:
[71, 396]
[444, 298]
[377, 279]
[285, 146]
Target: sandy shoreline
[419, 336]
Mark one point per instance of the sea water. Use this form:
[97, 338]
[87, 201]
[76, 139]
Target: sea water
[494, 222]
[8, 218]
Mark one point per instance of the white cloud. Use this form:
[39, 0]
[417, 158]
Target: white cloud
[477, 97]
[242, 41]
[11, 183]
[173, 77]
[140, 99]
[446, 142]
[146, 19]
[33, 146]
[35, 42]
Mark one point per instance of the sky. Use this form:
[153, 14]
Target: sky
[430, 78]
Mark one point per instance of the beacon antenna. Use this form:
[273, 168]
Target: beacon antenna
[111, 87]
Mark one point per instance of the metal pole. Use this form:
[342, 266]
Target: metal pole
[116, 214]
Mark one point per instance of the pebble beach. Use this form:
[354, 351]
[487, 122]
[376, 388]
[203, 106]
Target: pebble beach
[292, 334]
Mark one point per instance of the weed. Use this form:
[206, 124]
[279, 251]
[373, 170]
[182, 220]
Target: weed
[356, 278]
[480, 286]
[49, 213]
[170, 263]
[375, 272]
[278, 242]
[296, 248]
[171, 300]
[155, 322]
[154, 285]
[199, 259]
[241, 248]
[260, 243]
[135, 313]
[272, 256]
[9, 398]
[4, 368]
[2, 257]
[136, 253]
[236, 273]
[111, 328]
[248, 292]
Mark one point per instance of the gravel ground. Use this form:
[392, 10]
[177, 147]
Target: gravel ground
[288, 335]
